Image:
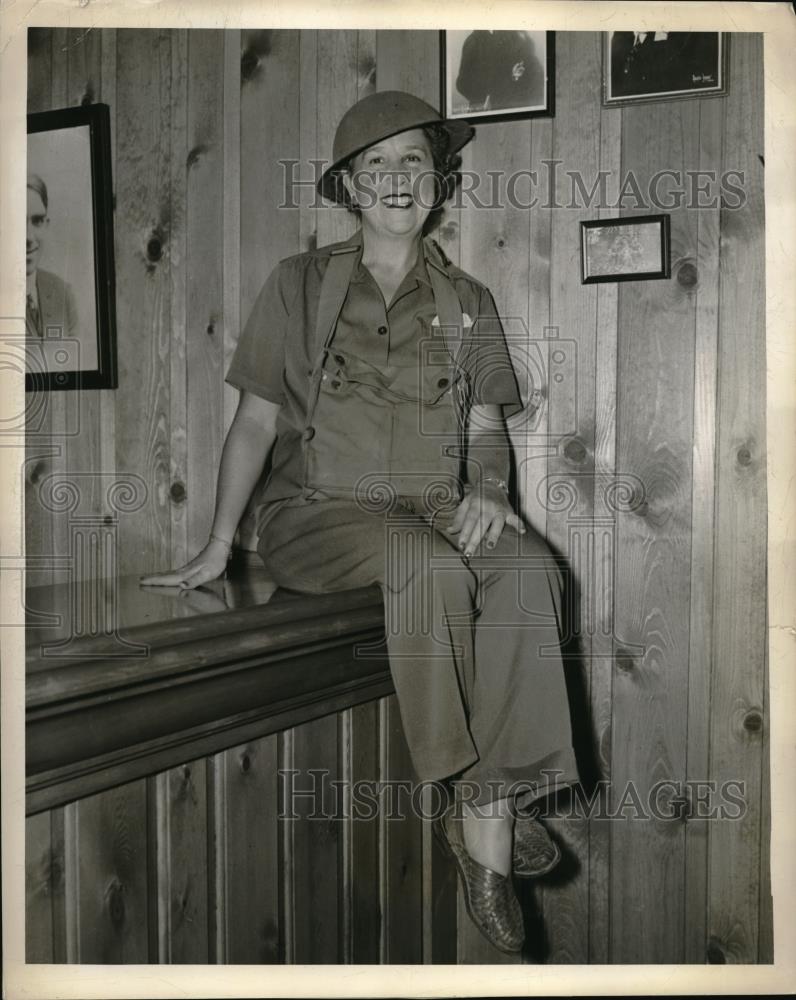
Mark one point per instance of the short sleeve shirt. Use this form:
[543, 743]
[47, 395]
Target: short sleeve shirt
[277, 352]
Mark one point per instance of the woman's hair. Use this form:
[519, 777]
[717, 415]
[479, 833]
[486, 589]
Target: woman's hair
[35, 183]
[446, 170]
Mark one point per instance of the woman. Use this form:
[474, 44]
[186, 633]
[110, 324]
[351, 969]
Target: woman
[380, 369]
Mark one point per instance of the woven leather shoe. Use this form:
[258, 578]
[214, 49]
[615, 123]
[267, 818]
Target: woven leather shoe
[489, 897]
[535, 852]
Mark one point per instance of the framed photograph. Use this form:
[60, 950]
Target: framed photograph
[663, 65]
[626, 249]
[497, 75]
[70, 311]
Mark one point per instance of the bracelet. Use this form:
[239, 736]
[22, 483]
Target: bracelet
[500, 483]
[215, 538]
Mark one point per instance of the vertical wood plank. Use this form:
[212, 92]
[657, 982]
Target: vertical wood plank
[600, 680]
[248, 910]
[739, 638]
[112, 924]
[143, 263]
[182, 498]
[107, 397]
[231, 211]
[765, 943]
[204, 326]
[182, 868]
[83, 450]
[363, 868]
[570, 391]
[316, 848]
[269, 87]
[531, 437]
[652, 602]
[409, 60]
[700, 653]
[40, 875]
[338, 88]
[403, 848]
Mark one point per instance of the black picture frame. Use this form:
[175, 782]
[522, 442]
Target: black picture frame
[541, 92]
[604, 258]
[70, 320]
[684, 64]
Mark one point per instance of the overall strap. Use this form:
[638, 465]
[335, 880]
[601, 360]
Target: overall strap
[334, 288]
[448, 306]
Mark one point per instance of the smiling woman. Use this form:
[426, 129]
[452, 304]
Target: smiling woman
[385, 402]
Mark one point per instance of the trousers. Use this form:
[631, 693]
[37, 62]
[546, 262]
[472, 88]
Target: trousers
[473, 646]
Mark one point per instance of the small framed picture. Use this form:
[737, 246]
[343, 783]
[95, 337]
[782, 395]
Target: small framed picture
[663, 65]
[497, 75]
[70, 311]
[626, 249]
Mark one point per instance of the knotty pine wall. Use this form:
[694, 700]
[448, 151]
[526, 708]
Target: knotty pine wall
[668, 673]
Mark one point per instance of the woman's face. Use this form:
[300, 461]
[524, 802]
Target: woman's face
[392, 182]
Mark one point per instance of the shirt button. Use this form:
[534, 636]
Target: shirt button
[382, 330]
[309, 433]
[442, 383]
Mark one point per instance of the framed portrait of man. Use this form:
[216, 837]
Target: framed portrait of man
[70, 327]
[663, 65]
[497, 75]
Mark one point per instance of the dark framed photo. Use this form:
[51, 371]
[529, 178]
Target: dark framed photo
[70, 309]
[627, 249]
[663, 65]
[497, 75]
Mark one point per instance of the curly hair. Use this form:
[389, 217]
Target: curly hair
[446, 171]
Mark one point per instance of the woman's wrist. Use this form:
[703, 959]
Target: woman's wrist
[496, 481]
[218, 541]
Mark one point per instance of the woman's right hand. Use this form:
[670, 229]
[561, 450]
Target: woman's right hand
[209, 564]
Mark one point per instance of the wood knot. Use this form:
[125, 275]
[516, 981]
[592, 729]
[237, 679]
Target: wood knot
[623, 660]
[194, 155]
[715, 953]
[154, 248]
[258, 48]
[115, 897]
[177, 492]
[744, 456]
[500, 242]
[575, 451]
[687, 276]
[753, 721]
[245, 763]
[36, 472]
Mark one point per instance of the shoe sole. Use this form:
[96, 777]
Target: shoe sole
[442, 840]
[542, 871]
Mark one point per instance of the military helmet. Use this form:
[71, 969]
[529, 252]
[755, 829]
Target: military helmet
[379, 116]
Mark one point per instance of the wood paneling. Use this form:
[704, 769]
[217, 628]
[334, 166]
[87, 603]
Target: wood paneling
[111, 901]
[656, 333]
[667, 670]
[737, 696]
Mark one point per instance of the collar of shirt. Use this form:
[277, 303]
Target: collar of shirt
[417, 273]
[32, 290]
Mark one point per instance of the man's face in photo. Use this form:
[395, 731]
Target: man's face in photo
[36, 231]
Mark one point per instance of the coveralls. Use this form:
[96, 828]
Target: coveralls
[365, 477]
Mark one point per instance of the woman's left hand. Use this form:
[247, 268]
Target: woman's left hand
[482, 515]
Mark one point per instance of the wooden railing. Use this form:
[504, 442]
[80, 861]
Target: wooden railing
[162, 731]
[103, 709]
